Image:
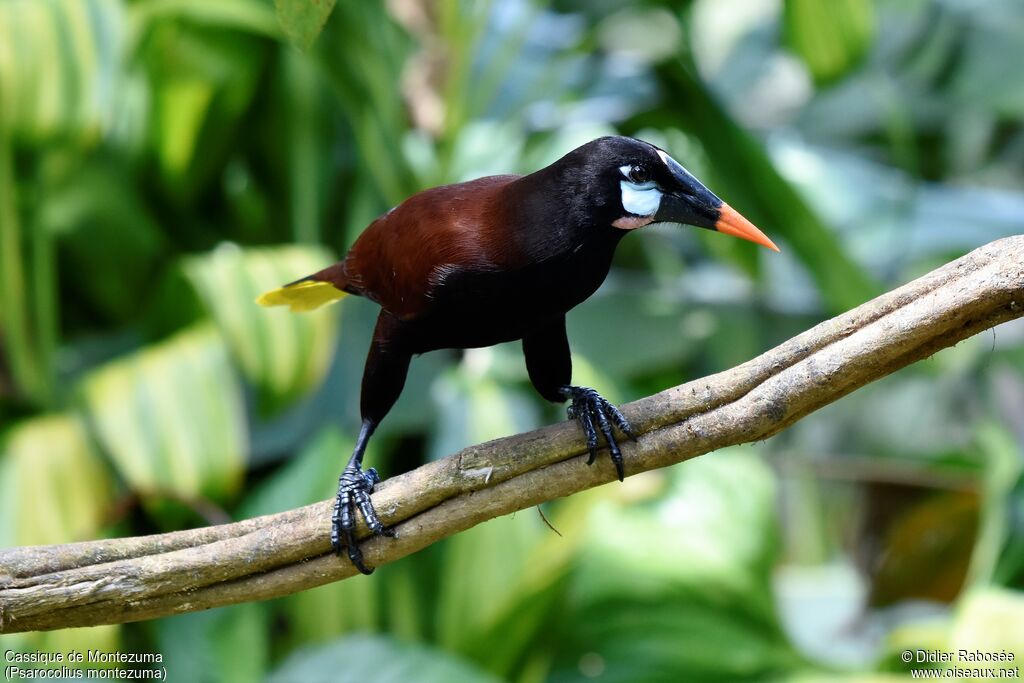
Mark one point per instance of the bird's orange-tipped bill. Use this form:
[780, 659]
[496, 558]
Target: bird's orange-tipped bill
[732, 223]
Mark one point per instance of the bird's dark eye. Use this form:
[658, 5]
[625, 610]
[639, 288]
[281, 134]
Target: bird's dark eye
[638, 174]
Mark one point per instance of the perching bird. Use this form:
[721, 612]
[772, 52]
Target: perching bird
[497, 259]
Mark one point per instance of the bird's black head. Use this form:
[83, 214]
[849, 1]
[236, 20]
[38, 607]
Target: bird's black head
[627, 183]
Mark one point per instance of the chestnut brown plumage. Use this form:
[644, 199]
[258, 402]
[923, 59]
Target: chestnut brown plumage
[494, 260]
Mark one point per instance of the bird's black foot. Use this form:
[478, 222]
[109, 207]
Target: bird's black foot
[589, 408]
[354, 489]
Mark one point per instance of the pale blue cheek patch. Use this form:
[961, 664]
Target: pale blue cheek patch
[641, 199]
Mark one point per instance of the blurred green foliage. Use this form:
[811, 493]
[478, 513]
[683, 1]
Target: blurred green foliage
[162, 161]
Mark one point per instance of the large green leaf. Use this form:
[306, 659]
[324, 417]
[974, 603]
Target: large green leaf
[283, 354]
[831, 36]
[680, 590]
[172, 417]
[55, 487]
[367, 659]
[181, 109]
[500, 587]
[59, 65]
[28, 338]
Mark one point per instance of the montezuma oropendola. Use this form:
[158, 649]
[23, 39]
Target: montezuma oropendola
[497, 259]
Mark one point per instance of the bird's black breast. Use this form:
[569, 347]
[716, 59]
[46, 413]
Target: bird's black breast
[474, 308]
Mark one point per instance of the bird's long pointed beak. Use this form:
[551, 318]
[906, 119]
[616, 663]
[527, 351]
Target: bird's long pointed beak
[689, 202]
[732, 223]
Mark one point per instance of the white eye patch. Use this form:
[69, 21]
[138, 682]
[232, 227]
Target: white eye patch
[641, 199]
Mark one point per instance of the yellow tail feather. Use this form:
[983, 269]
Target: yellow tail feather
[301, 296]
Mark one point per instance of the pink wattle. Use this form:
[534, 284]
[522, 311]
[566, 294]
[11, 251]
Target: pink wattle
[632, 222]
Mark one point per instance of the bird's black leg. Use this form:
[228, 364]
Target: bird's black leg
[549, 364]
[383, 378]
[354, 489]
[589, 407]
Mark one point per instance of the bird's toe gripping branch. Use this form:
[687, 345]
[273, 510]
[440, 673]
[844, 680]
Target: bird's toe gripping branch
[354, 489]
[594, 413]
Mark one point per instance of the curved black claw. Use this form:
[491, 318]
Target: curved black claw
[595, 413]
[354, 489]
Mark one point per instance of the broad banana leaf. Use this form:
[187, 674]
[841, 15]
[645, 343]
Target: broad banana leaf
[282, 353]
[172, 417]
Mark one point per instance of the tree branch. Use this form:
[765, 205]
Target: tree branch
[119, 580]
